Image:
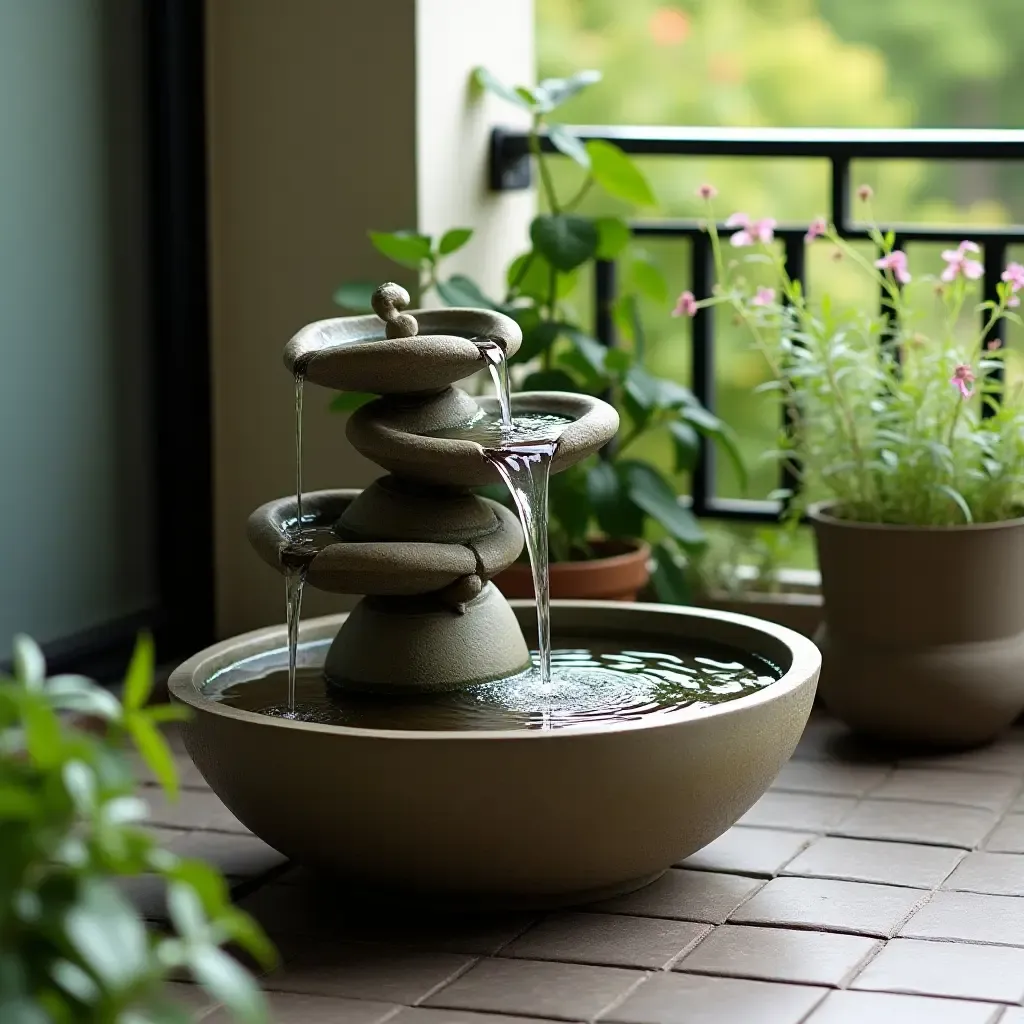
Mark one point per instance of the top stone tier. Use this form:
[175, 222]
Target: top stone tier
[392, 352]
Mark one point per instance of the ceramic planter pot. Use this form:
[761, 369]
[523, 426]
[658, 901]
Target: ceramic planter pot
[619, 574]
[923, 639]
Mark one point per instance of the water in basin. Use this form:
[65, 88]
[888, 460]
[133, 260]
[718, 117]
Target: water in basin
[593, 681]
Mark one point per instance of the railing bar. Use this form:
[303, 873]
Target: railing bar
[703, 372]
[840, 193]
[995, 264]
[909, 233]
[796, 268]
[605, 287]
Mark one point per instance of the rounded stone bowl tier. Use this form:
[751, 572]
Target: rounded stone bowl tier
[528, 818]
[353, 353]
[398, 436]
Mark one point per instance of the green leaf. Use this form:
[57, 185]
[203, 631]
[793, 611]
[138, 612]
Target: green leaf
[228, 982]
[535, 281]
[74, 981]
[355, 296]
[460, 290]
[17, 803]
[158, 713]
[686, 445]
[349, 401]
[617, 361]
[568, 507]
[154, 751]
[557, 90]
[550, 380]
[592, 351]
[107, 934]
[76, 693]
[618, 175]
[537, 339]
[533, 101]
[722, 434]
[616, 514]
[453, 240]
[244, 930]
[657, 393]
[483, 79]
[407, 248]
[138, 683]
[42, 732]
[655, 495]
[80, 783]
[670, 582]
[186, 912]
[613, 236]
[644, 277]
[565, 142]
[29, 663]
[958, 499]
[563, 240]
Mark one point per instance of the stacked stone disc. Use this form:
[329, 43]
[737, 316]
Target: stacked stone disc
[418, 543]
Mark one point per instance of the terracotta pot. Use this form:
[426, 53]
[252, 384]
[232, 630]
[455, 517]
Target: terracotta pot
[619, 573]
[923, 638]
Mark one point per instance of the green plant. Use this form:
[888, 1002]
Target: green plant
[902, 416]
[72, 947]
[618, 495]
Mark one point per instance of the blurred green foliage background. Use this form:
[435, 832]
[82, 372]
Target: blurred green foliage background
[790, 63]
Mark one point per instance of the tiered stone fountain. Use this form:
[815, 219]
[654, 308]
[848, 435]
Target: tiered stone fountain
[535, 803]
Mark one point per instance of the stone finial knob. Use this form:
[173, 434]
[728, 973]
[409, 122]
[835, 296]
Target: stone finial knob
[388, 301]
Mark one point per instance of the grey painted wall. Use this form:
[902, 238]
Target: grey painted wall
[75, 500]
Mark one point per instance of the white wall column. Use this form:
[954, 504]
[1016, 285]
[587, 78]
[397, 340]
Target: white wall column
[328, 119]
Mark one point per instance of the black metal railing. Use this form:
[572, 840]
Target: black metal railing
[510, 169]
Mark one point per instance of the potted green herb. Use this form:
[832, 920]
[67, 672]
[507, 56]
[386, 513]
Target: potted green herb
[906, 423]
[602, 513]
[72, 947]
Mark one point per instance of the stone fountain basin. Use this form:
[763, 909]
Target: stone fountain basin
[529, 818]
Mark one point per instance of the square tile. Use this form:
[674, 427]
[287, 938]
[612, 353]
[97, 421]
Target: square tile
[607, 939]
[685, 896]
[237, 855]
[915, 822]
[392, 974]
[830, 777]
[749, 851]
[856, 907]
[1001, 874]
[534, 989]
[965, 789]
[878, 1008]
[956, 969]
[868, 860]
[1009, 836]
[148, 893]
[779, 954]
[969, 917]
[194, 809]
[428, 1015]
[811, 812]
[695, 999]
[295, 1008]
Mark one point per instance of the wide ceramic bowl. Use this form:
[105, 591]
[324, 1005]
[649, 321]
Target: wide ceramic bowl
[514, 817]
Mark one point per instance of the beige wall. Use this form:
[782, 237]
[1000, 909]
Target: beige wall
[328, 118]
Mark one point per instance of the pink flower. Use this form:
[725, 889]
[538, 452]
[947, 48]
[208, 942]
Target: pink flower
[707, 191]
[1014, 276]
[864, 193]
[1014, 273]
[686, 305]
[751, 231]
[995, 344]
[896, 262]
[764, 297]
[963, 377]
[816, 230]
[957, 263]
